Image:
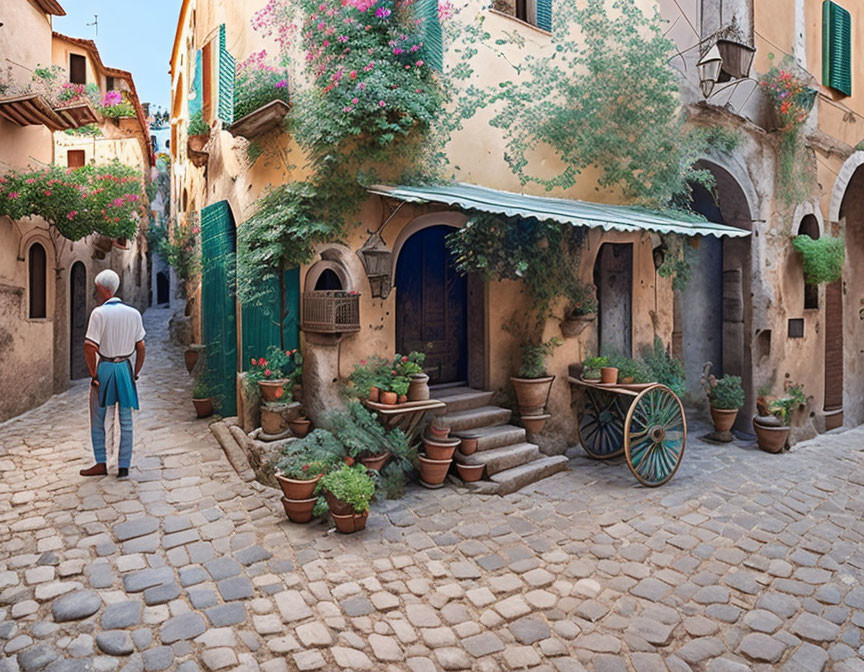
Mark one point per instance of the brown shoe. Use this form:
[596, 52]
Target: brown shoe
[98, 469]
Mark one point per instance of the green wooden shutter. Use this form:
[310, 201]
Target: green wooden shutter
[544, 15]
[261, 322]
[227, 68]
[836, 47]
[196, 103]
[218, 303]
[433, 36]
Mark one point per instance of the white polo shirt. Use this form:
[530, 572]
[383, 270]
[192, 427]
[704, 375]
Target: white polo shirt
[115, 328]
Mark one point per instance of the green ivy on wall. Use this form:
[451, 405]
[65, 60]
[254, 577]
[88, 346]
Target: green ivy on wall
[823, 258]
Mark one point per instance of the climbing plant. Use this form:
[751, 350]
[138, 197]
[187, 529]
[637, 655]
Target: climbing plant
[823, 258]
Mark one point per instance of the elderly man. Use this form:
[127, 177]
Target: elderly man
[115, 333]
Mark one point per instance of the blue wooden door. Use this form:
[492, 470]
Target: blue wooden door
[261, 321]
[218, 303]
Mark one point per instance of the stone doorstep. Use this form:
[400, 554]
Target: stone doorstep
[484, 416]
[501, 459]
[463, 398]
[493, 437]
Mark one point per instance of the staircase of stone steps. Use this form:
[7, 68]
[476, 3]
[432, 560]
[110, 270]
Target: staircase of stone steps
[511, 461]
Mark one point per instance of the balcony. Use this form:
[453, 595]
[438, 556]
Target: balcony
[330, 312]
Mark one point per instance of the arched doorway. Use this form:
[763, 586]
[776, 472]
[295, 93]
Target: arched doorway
[713, 314]
[432, 305]
[162, 288]
[809, 227]
[613, 277]
[77, 320]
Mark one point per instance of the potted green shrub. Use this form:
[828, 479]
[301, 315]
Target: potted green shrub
[362, 436]
[532, 383]
[299, 467]
[725, 398]
[630, 371]
[348, 491]
[198, 131]
[411, 366]
[772, 425]
[202, 398]
[591, 367]
[368, 377]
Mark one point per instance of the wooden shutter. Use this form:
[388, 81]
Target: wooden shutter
[218, 303]
[544, 14]
[433, 36]
[75, 158]
[195, 105]
[207, 81]
[77, 69]
[834, 369]
[227, 69]
[836, 47]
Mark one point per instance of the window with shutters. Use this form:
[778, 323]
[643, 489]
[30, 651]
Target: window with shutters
[37, 263]
[77, 69]
[836, 47]
[538, 13]
[226, 73]
[433, 37]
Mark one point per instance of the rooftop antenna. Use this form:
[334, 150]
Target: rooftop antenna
[95, 23]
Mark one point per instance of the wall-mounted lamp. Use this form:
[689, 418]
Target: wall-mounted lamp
[709, 69]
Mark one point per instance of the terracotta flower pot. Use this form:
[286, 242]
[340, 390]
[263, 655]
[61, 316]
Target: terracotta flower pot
[532, 394]
[771, 439]
[534, 424]
[191, 358]
[438, 432]
[418, 388]
[196, 142]
[629, 380]
[440, 449]
[272, 390]
[350, 523]
[300, 427]
[403, 399]
[293, 488]
[573, 326]
[389, 398]
[468, 446]
[203, 407]
[374, 393]
[337, 506]
[299, 510]
[470, 472]
[433, 472]
[375, 462]
[608, 375]
[723, 418]
[121, 243]
[271, 421]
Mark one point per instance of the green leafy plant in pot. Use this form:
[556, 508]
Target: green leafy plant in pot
[276, 373]
[202, 398]
[772, 425]
[361, 435]
[348, 491]
[591, 367]
[725, 397]
[532, 382]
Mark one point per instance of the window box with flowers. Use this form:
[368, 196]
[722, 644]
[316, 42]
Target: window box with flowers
[115, 106]
[261, 97]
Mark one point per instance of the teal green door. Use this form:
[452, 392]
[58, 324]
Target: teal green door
[261, 322]
[218, 303]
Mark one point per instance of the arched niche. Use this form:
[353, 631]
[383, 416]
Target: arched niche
[809, 225]
[328, 275]
[455, 220]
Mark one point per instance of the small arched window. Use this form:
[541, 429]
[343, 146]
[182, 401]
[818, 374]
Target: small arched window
[37, 275]
[810, 227]
[328, 280]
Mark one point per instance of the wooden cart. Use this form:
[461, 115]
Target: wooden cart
[645, 422]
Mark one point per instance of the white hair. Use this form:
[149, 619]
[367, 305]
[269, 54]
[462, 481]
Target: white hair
[109, 280]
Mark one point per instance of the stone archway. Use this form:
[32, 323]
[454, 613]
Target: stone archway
[713, 313]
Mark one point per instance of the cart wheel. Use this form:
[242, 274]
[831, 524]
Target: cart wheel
[655, 433]
[601, 428]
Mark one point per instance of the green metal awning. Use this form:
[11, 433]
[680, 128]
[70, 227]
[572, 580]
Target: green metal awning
[565, 211]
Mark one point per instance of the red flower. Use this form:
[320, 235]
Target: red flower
[305, 467]
[362, 362]
[267, 372]
[349, 461]
[394, 373]
[404, 359]
[254, 362]
[278, 393]
[262, 362]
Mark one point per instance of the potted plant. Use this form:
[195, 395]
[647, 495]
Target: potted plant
[470, 472]
[469, 445]
[362, 436]
[348, 491]
[202, 398]
[199, 132]
[368, 377]
[272, 415]
[578, 316]
[440, 449]
[772, 425]
[298, 468]
[439, 428]
[276, 373]
[191, 356]
[725, 398]
[411, 366]
[433, 472]
[532, 383]
[591, 367]
[534, 424]
[629, 370]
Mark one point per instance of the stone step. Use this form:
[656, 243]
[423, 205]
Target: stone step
[501, 459]
[517, 478]
[462, 398]
[493, 437]
[484, 416]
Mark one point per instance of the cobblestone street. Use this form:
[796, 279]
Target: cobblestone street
[744, 561]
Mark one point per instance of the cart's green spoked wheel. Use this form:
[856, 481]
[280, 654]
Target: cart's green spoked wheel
[655, 433]
[601, 428]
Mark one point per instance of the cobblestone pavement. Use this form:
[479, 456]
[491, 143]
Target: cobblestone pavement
[744, 561]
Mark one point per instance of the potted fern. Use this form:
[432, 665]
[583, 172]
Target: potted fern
[362, 436]
[725, 398]
[348, 491]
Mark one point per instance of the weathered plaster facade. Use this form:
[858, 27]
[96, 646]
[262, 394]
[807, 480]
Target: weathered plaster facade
[38, 356]
[756, 282]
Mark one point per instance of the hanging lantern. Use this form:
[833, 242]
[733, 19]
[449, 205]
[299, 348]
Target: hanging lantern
[709, 70]
[377, 262]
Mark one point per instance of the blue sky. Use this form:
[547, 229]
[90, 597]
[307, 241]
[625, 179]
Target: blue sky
[132, 36]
